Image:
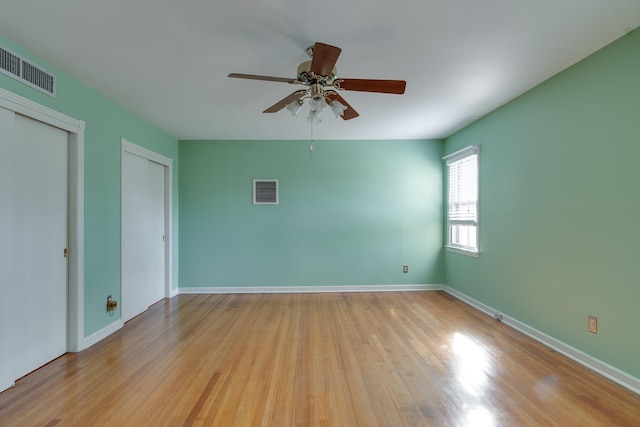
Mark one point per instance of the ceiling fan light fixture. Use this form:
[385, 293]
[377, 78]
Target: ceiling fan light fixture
[317, 103]
[314, 116]
[337, 107]
[294, 107]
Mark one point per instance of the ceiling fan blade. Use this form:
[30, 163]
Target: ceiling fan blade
[286, 101]
[366, 85]
[265, 78]
[324, 58]
[349, 113]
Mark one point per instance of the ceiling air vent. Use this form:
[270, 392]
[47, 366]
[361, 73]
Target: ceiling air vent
[265, 191]
[27, 72]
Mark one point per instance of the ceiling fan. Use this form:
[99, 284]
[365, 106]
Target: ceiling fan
[320, 75]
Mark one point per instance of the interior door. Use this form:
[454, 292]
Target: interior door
[7, 179]
[143, 222]
[33, 225]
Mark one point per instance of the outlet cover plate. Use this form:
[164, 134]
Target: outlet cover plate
[593, 324]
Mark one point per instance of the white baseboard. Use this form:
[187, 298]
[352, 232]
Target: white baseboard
[614, 374]
[305, 289]
[174, 292]
[102, 333]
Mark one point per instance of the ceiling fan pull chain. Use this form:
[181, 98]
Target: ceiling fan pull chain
[311, 147]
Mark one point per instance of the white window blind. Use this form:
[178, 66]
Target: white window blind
[462, 203]
[463, 190]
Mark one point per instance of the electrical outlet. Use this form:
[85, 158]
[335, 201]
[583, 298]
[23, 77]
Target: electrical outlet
[593, 324]
[111, 304]
[405, 268]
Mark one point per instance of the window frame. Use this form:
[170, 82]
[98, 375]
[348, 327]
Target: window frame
[449, 160]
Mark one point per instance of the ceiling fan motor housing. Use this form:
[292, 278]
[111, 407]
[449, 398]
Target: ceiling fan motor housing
[308, 77]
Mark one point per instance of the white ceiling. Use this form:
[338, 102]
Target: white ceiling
[167, 61]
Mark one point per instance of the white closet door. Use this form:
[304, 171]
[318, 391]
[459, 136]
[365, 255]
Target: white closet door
[34, 194]
[134, 231]
[142, 234]
[8, 333]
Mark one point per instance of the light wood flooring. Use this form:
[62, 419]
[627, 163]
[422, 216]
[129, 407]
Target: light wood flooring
[343, 359]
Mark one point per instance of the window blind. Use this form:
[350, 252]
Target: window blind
[463, 188]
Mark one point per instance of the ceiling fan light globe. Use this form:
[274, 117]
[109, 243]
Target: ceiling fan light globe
[337, 107]
[314, 116]
[317, 103]
[294, 107]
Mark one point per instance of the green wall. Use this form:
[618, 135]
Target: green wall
[352, 215]
[559, 205]
[105, 124]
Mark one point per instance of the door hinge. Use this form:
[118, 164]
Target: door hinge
[66, 252]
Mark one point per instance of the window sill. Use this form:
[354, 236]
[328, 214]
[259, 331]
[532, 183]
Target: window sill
[463, 252]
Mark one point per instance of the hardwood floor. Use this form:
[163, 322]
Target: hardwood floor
[350, 359]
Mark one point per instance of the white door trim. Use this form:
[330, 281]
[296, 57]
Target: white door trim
[75, 128]
[130, 147]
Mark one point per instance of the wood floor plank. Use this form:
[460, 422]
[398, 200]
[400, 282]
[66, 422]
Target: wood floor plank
[341, 359]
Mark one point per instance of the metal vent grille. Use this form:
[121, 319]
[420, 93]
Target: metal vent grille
[9, 63]
[265, 191]
[25, 71]
[38, 77]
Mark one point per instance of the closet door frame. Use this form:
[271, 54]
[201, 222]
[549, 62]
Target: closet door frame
[75, 128]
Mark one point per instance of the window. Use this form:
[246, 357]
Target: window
[462, 204]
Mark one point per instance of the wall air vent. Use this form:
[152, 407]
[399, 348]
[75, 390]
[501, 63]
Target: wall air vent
[265, 191]
[20, 68]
